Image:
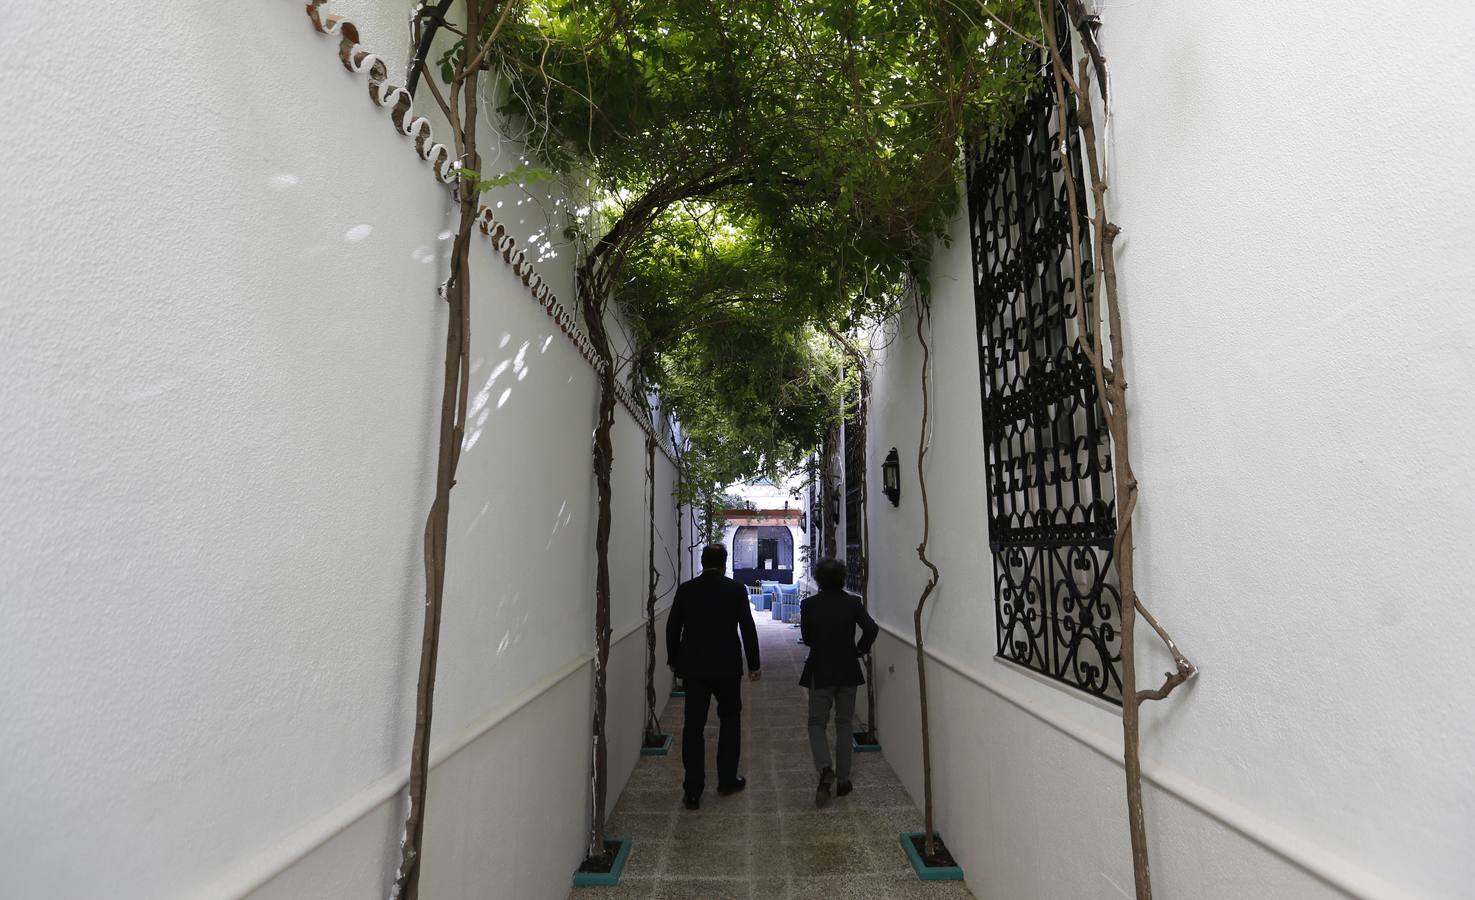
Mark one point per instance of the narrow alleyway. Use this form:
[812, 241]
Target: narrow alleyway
[768, 841]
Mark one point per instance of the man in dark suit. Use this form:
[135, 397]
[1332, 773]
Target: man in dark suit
[827, 623]
[702, 646]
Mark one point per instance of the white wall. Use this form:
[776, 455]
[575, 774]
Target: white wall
[1296, 273]
[221, 366]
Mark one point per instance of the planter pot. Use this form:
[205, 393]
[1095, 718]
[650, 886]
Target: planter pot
[863, 742]
[657, 745]
[940, 867]
[604, 872]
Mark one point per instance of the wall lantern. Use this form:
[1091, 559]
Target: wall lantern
[891, 477]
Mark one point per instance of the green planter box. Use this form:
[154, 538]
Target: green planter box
[924, 871]
[662, 750]
[610, 878]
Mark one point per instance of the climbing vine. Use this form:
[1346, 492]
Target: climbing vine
[463, 113]
[924, 442]
[1108, 363]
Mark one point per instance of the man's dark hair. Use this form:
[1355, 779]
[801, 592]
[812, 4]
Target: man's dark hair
[829, 574]
[714, 556]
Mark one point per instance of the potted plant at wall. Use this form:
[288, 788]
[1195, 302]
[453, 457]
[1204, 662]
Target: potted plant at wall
[925, 849]
[653, 741]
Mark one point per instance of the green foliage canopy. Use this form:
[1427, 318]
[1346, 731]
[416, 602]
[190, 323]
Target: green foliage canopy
[768, 175]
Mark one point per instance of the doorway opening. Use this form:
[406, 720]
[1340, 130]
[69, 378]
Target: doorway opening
[763, 553]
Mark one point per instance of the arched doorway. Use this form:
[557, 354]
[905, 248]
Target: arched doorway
[763, 553]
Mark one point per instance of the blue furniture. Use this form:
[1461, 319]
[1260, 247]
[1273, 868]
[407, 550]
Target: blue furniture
[770, 594]
[788, 599]
[757, 597]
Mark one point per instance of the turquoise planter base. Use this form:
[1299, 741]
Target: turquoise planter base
[662, 750]
[857, 747]
[924, 871]
[675, 693]
[610, 878]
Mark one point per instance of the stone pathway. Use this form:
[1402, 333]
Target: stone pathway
[768, 841]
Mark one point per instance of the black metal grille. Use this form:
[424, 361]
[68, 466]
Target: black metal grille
[1052, 513]
[816, 507]
[855, 488]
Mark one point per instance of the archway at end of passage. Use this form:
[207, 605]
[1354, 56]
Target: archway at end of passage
[763, 553]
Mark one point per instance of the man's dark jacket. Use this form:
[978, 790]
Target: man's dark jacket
[827, 623]
[702, 630]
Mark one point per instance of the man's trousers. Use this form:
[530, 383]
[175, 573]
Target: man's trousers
[699, 694]
[820, 701]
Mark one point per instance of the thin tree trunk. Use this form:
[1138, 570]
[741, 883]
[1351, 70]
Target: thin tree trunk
[1112, 395]
[929, 842]
[865, 546]
[652, 723]
[603, 451]
[827, 495]
[680, 538]
[603, 467]
[452, 431]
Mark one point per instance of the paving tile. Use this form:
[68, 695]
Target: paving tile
[725, 824]
[647, 859]
[654, 799]
[708, 859]
[701, 889]
[817, 857]
[642, 825]
[764, 887]
[884, 796]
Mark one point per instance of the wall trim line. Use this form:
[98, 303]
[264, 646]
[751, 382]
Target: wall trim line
[1313, 859]
[262, 867]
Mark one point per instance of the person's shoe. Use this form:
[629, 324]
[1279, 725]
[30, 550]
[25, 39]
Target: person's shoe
[692, 801]
[843, 788]
[822, 793]
[733, 788]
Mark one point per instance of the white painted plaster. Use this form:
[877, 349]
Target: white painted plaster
[1301, 324]
[221, 380]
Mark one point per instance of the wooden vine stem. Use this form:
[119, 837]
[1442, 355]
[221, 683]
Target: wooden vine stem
[603, 472]
[462, 110]
[923, 440]
[865, 554]
[652, 723]
[1111, 388]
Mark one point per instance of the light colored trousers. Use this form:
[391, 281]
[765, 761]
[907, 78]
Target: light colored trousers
[820, 701]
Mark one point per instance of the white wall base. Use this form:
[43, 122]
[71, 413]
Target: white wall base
[496, 827]
[1020, 793]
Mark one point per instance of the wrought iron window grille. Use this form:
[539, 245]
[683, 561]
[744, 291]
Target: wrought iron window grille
[1052, 509]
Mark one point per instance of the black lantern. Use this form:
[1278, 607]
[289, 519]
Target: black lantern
[891, 477]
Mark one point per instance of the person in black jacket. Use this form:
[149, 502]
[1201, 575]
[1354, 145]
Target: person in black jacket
[702, 647]
[827, 623]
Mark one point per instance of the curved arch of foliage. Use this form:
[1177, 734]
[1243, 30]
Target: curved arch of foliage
[761, 173]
